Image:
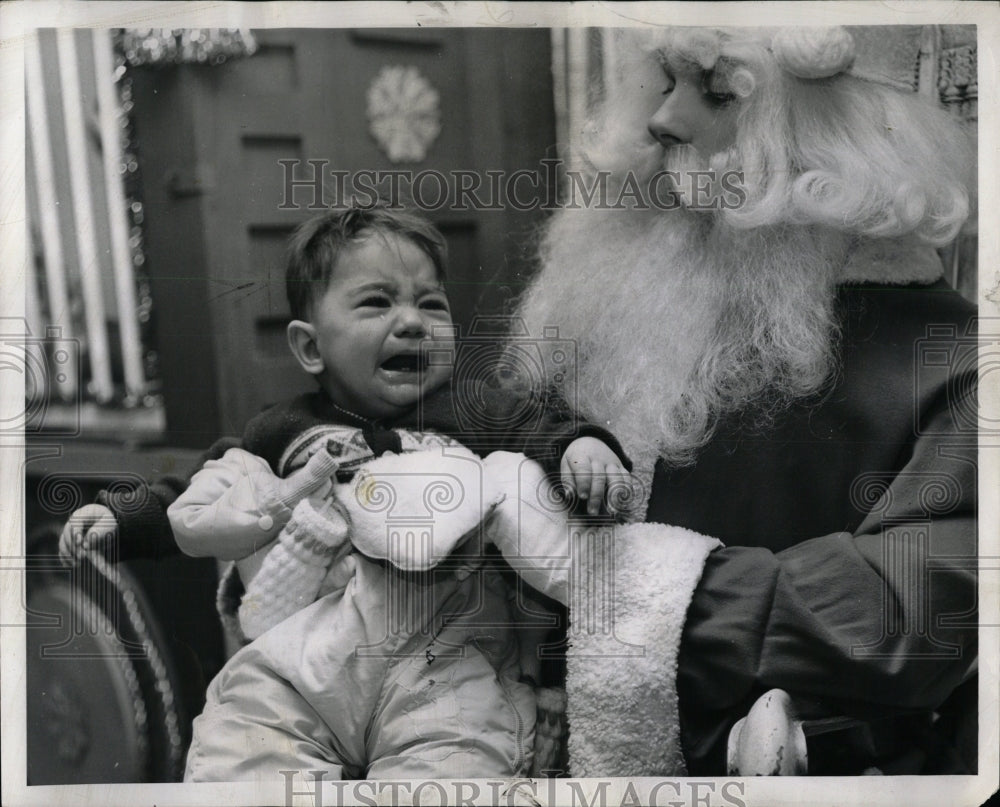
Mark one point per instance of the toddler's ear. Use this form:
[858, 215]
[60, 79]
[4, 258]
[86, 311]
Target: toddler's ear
[302, 341]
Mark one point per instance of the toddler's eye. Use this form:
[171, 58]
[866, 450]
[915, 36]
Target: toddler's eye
[434, 305]
[374, 301]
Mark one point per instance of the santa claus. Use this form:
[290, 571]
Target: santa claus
[786, 375]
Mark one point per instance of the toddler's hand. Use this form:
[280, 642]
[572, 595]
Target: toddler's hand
[315, 476]
[590, 469]
[90, 528]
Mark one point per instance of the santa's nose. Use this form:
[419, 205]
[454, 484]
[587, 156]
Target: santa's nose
[667, 127]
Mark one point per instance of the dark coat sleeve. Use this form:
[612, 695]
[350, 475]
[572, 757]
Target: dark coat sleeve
[876, 618]
[876, 621]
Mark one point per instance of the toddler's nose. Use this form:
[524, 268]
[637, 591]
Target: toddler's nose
[410, 322]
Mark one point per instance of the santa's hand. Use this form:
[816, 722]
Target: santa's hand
[91, 528]
[590, 469]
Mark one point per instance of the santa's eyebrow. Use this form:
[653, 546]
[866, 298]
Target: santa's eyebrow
[708, 76]
[674, 62]
[724, 67]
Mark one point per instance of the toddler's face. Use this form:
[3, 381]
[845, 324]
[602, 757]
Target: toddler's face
[374, 324]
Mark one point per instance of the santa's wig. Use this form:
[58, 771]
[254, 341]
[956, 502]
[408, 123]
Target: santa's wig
[818, 144]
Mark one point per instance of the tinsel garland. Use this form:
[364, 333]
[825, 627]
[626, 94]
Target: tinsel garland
[165, 46]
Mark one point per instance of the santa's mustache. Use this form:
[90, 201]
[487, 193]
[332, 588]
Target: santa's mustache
[697, 180]
[683, 158]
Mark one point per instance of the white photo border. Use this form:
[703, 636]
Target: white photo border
[18, 19]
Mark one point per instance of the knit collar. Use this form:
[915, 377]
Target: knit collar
[354, 416]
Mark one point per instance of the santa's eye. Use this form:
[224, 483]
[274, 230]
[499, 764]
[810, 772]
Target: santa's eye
[716, 89]
[719, 98]
[668, 75]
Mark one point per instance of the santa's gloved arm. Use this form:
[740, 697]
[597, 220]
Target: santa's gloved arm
[310, 557]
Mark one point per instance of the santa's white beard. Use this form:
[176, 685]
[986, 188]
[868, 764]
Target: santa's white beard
[679, 320]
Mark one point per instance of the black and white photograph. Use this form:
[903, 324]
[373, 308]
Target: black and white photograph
[500, 403]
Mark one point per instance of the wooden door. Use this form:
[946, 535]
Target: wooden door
[211, 141]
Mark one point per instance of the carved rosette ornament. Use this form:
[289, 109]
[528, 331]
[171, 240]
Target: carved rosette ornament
[404, 113]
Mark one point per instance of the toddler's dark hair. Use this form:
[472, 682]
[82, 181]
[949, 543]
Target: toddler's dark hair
[316, 244]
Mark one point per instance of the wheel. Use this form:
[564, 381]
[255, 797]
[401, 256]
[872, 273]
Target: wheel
[102, 704]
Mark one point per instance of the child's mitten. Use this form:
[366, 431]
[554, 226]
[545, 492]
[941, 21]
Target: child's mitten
[316, 476]
[236, 505]
[413, 509]
[530, 525]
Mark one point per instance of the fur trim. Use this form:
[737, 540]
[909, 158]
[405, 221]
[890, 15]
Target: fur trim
[894, 261]
[622, 666]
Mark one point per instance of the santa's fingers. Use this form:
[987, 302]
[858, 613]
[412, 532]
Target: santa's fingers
[67, 542]
[575, 476]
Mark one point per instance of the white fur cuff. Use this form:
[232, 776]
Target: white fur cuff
[627, 611]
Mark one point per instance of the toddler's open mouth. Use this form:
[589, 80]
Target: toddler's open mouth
[405, 363]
